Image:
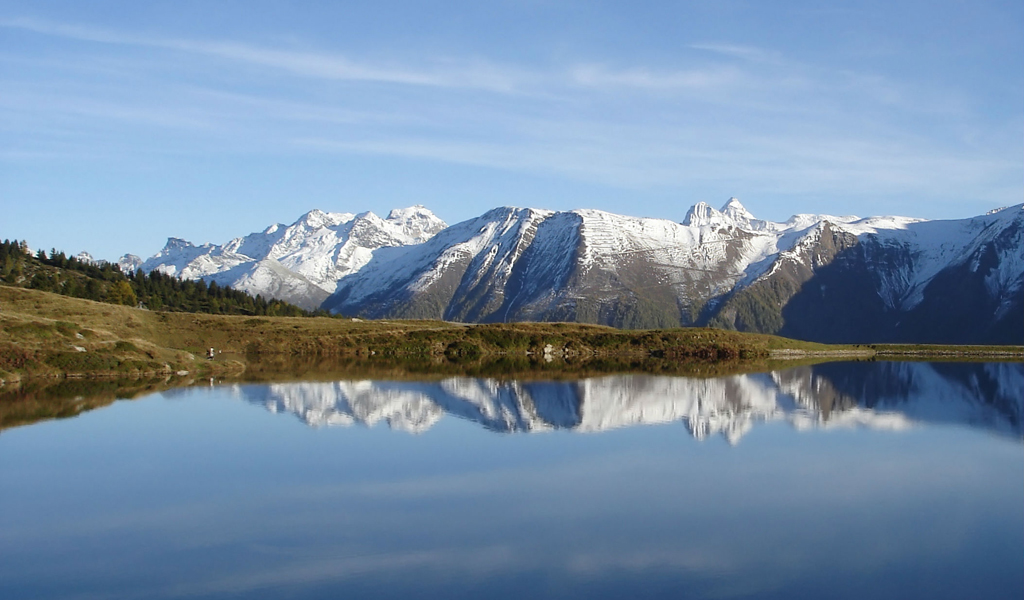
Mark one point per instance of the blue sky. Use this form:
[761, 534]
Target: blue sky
[124, 123]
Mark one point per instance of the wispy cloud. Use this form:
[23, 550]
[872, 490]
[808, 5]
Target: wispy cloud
[794, 163]
[168, 116]
[469, 74]
[440, 73]
[645, 79]
[748, 53]
[722, 113]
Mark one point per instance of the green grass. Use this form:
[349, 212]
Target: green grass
[44, 334]
[49, 342]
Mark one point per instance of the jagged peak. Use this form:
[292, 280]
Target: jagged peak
[735, 210]
[733, 214]
[699, 214]
[129, 262]
[414, 211]
[418, 222]
[503, 211]
[313, 215]
[174, 243]
[370, 216]
[732, 203]
[1014, 211]
[316, 219]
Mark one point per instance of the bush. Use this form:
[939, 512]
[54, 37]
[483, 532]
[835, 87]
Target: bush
[65, 328]
[81, 362]
[33, 329]
[124, 346]
[462, 350]
[14, 357]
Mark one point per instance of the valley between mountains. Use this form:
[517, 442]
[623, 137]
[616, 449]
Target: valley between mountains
[823, 278]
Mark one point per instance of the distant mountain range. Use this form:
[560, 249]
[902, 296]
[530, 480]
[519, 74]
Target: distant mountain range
[815, 277]
[877, 395]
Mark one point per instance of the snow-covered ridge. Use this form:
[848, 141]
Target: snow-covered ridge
[85, 257]
[604, 256]
[936, 245]
[513, 263]
[301, 262]
[903, 395]
[580, 243]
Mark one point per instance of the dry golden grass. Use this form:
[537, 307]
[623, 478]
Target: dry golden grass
[39, 333]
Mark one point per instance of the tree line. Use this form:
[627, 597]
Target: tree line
[105, 282]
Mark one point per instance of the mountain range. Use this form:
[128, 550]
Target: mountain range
[840, 279]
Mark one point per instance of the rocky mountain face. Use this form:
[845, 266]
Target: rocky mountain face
[954, 282]
[815, 277]
[878, 395]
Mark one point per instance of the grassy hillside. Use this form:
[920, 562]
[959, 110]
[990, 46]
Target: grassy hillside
[50, 342]
[45, 334]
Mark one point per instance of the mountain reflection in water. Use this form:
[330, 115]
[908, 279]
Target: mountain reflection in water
[881, 395]
[198, 492]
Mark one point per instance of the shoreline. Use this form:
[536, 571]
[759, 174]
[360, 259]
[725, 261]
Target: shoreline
[44, 335]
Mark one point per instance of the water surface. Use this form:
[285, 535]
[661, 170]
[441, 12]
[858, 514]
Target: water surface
[848, 480]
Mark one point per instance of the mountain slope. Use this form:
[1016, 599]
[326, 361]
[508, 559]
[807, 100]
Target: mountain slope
[589, 266]
[816, 277]
[954, 282]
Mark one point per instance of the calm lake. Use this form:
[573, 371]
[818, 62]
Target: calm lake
[840, 480]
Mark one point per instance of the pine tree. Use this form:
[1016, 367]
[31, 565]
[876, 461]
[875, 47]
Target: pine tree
[121, 292]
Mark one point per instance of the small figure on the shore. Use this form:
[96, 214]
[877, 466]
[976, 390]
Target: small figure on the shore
[209, 354]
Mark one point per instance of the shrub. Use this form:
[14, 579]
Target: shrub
[80, 362]
[33, 329]
[462, 350]
[66, 328]
[124, 346]
[14, 357]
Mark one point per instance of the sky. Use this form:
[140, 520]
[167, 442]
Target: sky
[124, 123]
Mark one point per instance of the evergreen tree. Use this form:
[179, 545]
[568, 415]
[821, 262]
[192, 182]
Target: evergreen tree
[121, 292]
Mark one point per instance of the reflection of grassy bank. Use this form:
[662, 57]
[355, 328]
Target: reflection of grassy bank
[281, 368]
[932, 352]
[41, 399]
[45, 399]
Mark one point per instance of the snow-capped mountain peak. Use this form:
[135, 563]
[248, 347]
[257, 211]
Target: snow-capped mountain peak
[732, 214]
[868, 279]
[173, 244]
[700, 214]
[301, 262]
[417, 222]
[85, 257]
[736, 211]
[318, 219]
[129, 263]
